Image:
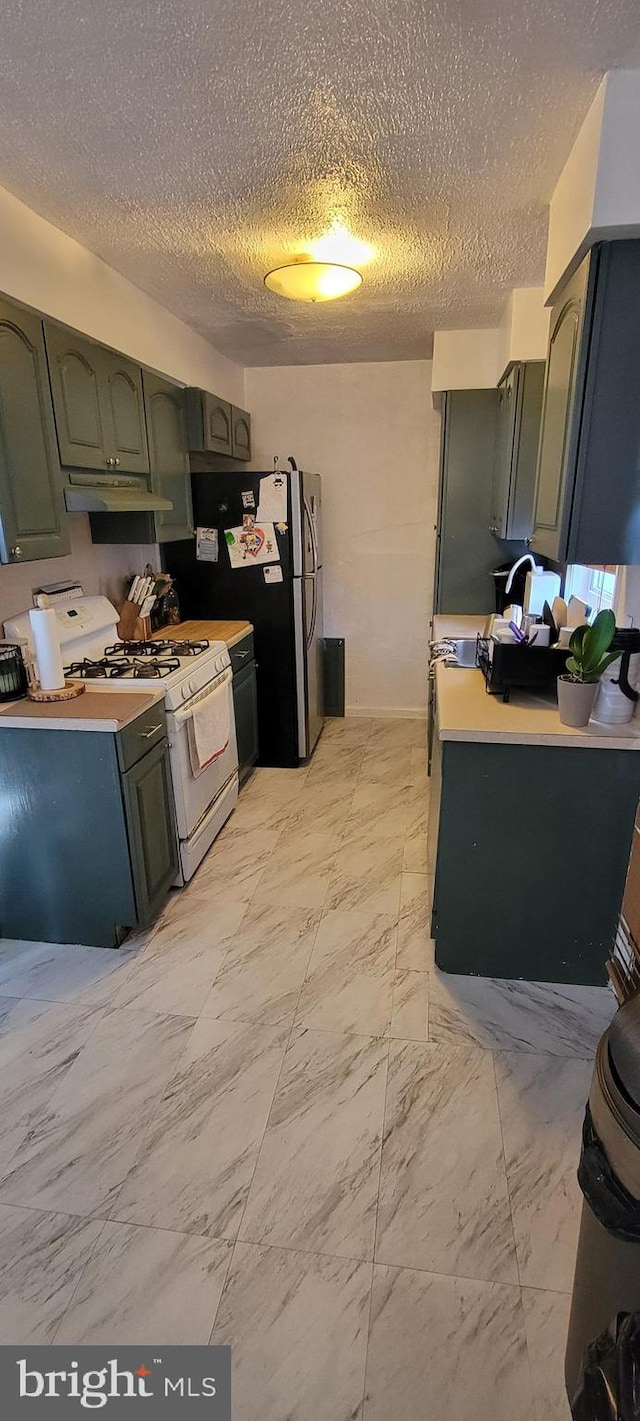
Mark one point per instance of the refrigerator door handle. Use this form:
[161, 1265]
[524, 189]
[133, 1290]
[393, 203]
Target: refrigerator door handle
[312, 530]
[301, 688]
[311, 577]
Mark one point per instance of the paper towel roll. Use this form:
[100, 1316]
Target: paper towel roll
[44, 630]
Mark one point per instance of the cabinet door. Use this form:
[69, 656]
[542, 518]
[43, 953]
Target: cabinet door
[74, 367]
[148, 798]
[526, 438]
[557, 446]
[168, 457]
[217, 424]
[32, 518]
[245, 706]
[121, 395]
[503, 460]
[241, 434]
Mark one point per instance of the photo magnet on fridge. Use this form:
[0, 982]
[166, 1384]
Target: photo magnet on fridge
[248, 499]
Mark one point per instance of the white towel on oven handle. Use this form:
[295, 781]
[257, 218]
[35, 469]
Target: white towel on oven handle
[209, 729]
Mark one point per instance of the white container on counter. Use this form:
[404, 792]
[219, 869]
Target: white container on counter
[46, 641]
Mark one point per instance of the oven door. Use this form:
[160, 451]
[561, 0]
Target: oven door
[194, 794]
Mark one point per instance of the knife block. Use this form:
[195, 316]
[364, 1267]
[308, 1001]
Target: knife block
[132, 627]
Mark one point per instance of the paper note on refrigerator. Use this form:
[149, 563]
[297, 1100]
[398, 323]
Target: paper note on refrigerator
[207, 544]
[272, 507]
[272, 574]
[248, 547]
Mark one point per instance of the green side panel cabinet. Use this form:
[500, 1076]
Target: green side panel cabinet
[208, 422]
[241, 434]
[32, 518]
[98, 405]
[168, 457]
[533, 843]
[149, 808]
[466, 552]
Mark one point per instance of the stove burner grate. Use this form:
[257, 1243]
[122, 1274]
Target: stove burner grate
[114, 668]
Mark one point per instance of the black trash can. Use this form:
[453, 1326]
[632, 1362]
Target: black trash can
[602, 1364]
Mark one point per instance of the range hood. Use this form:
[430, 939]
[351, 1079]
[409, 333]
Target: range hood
[109, 499]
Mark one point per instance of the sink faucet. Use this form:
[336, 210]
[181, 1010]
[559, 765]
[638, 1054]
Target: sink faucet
[526, 557]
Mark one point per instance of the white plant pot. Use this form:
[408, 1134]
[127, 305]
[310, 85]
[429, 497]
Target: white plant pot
[575, 700]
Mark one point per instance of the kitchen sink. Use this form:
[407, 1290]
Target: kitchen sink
[463, 653]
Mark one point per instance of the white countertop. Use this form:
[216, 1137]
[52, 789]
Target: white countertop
[467, 712]
[457, 625]
[111, 712]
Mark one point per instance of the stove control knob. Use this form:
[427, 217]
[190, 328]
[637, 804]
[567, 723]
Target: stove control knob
[193, 686]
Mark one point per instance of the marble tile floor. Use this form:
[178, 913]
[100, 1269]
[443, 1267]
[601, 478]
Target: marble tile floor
[270, 1121]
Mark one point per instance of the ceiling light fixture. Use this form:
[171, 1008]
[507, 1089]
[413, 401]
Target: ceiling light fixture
[305, 280]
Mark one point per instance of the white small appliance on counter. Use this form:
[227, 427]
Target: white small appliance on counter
[189, 673]
[540, 586]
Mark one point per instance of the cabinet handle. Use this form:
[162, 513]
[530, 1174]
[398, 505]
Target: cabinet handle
[116, 462]
[110, 463]
[146, 734]
[17, 551]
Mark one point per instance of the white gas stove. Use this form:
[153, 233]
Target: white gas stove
[92, 651]
[188, 672]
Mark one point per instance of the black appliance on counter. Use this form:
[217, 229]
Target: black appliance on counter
[283, 599]
[508, 666]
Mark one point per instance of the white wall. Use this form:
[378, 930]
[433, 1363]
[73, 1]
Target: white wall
[44, 268]
[371, 433]
[467, 360]
[597, 196]
[98, 567]
[525, 326]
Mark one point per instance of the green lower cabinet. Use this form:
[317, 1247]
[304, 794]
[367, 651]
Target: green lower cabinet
[88, 849]
[149, 810]
[533, 843]
[32, 517]
[245, 705]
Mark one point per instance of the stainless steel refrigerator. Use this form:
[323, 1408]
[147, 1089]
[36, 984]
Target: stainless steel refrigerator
[284, 605]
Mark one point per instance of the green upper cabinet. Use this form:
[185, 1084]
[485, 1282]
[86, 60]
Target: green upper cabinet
[216, 427]
[98, 405]
[208, 422]
[556, 449]
[75, 382]
[517, 435]
[32, 519]
[169, 457]
[240, 433]
[122, 385]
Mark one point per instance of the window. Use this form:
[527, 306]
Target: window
[594, 585]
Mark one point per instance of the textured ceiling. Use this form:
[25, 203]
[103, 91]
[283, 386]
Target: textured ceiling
[194, 144]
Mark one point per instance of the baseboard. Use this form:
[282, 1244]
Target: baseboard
[387, 712]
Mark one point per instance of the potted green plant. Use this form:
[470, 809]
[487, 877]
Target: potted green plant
[590, 656]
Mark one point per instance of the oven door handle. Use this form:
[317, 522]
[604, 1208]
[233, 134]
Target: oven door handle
[180, 717]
